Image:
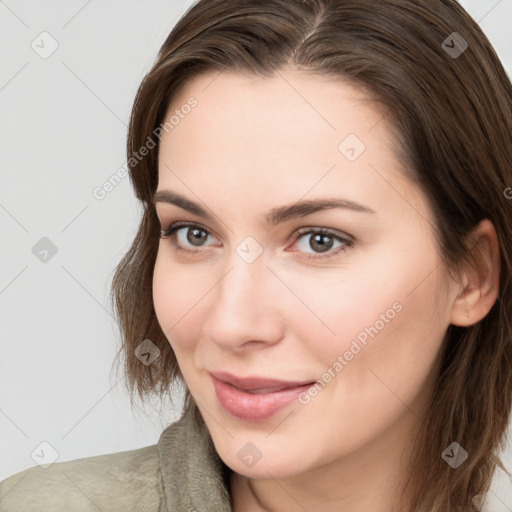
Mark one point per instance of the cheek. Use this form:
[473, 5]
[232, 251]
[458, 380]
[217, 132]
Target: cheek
[376, 368]
[388, 345]
[388, 322]
[346, 305]
[177, 292]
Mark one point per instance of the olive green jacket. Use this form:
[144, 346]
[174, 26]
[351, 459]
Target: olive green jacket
[182, 472]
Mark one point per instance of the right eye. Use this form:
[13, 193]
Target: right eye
[191, 233]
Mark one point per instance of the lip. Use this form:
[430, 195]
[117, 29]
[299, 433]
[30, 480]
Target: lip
[255, 398]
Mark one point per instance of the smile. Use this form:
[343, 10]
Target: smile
[255, 399]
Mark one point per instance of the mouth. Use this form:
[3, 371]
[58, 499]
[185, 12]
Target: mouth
[255, 398]
[264, 390]
[258, 384]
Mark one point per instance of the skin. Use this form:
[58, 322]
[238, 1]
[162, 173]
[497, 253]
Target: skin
[250, 145]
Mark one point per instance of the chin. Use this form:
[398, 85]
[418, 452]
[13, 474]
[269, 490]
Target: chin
[261, 459]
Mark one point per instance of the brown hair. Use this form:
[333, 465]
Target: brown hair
[453, 115]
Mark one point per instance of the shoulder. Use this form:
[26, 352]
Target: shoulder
[117, 481]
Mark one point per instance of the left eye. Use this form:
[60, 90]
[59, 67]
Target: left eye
[322, 239]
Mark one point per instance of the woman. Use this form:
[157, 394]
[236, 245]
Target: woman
[323, 261]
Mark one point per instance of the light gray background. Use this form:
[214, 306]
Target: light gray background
[63, 134]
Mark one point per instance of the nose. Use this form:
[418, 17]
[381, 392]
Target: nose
[244, 306]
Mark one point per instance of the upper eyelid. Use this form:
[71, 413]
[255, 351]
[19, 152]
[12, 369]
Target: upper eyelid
[187, 224]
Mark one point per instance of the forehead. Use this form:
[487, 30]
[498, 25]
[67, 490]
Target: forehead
[282, 137]
[296, 105]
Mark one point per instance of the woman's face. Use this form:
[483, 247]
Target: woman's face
[361, 309]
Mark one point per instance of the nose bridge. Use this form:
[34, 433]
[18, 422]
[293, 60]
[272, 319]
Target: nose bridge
[244, 278]
[242, 306]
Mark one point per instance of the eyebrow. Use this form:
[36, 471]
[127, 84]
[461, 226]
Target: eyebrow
[275, 215]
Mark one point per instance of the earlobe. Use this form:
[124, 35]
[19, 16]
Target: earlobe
[479, 285]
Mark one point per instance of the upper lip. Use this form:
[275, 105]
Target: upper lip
[252, 383]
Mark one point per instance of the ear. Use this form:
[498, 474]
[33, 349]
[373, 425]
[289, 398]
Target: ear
[479, 283]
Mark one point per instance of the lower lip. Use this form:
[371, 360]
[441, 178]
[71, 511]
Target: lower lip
[254, 406]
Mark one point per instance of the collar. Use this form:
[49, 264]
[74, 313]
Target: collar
[192, 476]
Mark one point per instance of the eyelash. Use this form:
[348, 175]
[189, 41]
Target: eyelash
[348, 242]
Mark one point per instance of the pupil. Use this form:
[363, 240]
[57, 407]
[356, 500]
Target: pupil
[195, 232]
[322, 246]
